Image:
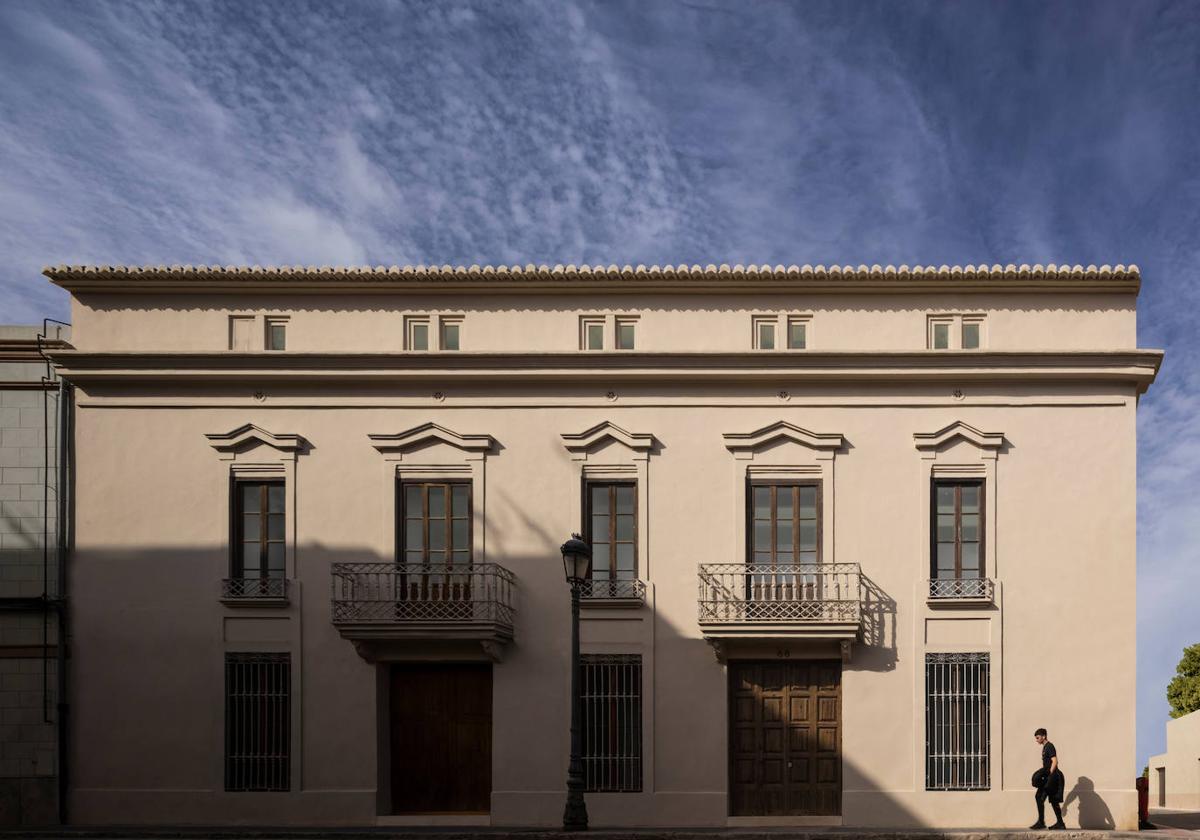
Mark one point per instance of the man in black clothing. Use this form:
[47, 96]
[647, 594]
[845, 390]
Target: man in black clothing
[1052, 786]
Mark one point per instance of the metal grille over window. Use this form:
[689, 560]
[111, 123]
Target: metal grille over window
[956, 721]
[257, 721]
[611, 696]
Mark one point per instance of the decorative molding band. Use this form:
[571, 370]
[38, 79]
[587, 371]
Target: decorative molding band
[585, 440]
[431, 432]
[936, 440]
[737, 442]
[243, 435]
[571, 279]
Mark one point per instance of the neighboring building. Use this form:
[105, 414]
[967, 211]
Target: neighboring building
[1175, 775]
[29, 591]
[857, 533]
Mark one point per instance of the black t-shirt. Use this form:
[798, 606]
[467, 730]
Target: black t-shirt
[1048, 753]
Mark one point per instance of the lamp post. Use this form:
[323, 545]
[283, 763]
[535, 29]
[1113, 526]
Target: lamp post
[577, 561]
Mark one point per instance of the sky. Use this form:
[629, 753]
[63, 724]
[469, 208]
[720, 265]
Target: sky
[701, 132]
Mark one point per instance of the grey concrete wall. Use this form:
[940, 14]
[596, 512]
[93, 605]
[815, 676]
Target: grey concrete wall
[28, 731]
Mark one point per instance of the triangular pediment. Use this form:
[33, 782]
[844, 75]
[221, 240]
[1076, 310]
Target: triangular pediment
[958, 430]
[428, 433]
[249, 435]
[604, 432]
[781, 430]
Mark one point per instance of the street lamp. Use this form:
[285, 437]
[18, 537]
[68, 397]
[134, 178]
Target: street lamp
[577, 562]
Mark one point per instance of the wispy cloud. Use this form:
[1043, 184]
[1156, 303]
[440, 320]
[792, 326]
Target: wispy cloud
[396, 132]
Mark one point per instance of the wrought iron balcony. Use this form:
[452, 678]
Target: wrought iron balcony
[254, 591]
[432, 601]
[961, 591]
[613, 593]
[822, 601]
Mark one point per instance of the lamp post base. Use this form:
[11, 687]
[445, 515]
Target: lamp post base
[575, 816]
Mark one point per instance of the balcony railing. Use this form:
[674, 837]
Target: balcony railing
[971, 590]
[373, 597]
[762, 595]
[613, 592]
[254, 590]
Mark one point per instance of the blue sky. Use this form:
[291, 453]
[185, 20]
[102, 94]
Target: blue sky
[669, 132]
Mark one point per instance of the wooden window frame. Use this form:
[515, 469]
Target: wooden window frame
[237, 525]
[784, 482]
[401, 519]
[958, 484]
[611, 484]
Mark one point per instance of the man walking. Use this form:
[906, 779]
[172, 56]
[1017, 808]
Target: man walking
[1052, 784]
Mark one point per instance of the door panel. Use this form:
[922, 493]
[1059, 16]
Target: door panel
[785, 738]
[441, 725]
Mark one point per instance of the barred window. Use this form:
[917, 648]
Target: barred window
[956, 721]
[257, 721]
[611, 697]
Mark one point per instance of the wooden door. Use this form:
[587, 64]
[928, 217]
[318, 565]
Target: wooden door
[785, 738]
[441, 733]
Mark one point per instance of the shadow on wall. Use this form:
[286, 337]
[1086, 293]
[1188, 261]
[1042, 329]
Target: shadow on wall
[1093, 812]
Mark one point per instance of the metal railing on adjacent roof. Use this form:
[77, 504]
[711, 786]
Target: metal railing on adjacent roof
[757, 593]
[396, 593]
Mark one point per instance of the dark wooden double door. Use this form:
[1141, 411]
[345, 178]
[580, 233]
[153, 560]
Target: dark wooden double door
[441, 738]
[785, 738]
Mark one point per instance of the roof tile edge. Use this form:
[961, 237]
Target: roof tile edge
[567, 278]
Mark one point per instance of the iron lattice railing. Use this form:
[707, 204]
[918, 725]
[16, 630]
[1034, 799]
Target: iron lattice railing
[394, 593]
[974, 589]
[613, 590]
[254, 589]
[747, 592]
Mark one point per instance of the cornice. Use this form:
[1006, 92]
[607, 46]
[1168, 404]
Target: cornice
[247, 434]
[1134, 366]
[427, 433]
[781, 430]
[958, 431]
[585, 440]
[571, 279]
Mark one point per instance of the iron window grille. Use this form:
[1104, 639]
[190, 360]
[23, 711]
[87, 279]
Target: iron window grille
[258, 721]
[957, 735]
[611, 700]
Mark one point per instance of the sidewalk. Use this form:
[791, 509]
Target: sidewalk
[456, 833]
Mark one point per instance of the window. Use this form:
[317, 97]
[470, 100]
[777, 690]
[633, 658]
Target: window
[276, 338]
[435, 532]
[785, 524]
[451, 327]
[764, 333]
[241, 332]
[591, 333]
[258, 721]
[611, 701]
[957, 689]
[941, 336]
[612, 532]
[625, 333]
[260, 527]
[970, 334]
[797, 337]
[416, 333]
[957, 530]
[953, 331]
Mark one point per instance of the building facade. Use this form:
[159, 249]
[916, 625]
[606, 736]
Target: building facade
[1175, 774]
[29, 575]
[856, 534]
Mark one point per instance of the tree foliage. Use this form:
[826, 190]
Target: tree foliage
[1183, 692]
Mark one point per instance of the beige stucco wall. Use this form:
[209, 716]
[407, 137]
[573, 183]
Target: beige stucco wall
[698, 323]
[152, 531]
[1175, 775]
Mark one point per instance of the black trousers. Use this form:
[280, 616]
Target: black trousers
[1041, 797]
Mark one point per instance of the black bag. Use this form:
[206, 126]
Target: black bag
[1039, 778]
